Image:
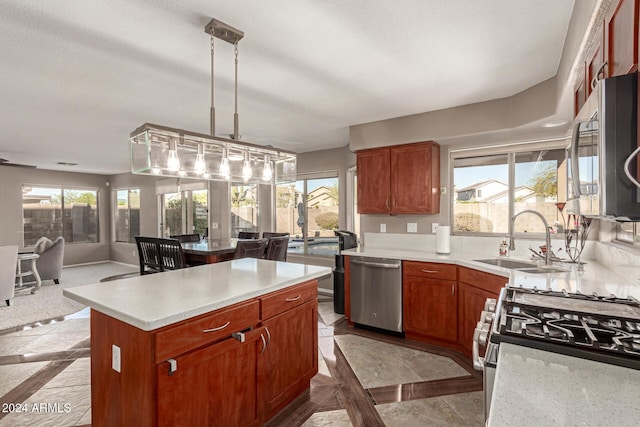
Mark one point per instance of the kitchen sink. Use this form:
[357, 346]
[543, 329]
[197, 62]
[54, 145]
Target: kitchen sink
[541, 270]
[506, 263]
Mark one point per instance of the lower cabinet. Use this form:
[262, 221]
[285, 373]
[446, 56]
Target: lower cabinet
[430, 301]
[474, 288]
[237, 366]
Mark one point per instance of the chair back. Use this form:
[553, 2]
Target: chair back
[156, 254]
[250, 249]
[277, 248]
[248, 235]
[8, 264]
[268, 234]
[186, 238]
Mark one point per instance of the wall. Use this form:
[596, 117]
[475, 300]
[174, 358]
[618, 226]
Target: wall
[11, 232]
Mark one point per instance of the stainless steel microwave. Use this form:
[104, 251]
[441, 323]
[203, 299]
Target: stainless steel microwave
[602, 175]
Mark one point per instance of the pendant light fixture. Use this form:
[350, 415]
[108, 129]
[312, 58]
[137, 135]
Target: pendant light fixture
[165, 151]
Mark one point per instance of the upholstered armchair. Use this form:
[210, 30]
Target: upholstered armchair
[51, 253]
[8, 260]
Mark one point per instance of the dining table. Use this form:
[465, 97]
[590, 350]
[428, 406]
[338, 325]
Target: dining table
[209, 251]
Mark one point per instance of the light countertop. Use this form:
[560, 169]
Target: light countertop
[155, 300]
[596, 277]
[539, 388]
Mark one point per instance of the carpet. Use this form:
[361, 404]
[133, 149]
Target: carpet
[48, 302]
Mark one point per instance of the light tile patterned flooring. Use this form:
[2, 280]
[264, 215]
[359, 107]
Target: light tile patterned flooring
[45, 374]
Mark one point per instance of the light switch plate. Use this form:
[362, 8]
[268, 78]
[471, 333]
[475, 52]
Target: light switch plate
[116, 358]
[412, 227]
[434, 227]
[383, 228]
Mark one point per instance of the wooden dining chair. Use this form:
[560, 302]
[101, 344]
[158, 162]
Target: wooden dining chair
[157, 254]
[248, 235]
[187, 238]
[277, 248]
[250, 249]
[268, 234]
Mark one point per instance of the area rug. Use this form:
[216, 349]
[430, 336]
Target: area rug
[48, 302]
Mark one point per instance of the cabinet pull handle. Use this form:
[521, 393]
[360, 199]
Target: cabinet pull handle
[386, 203]
[293, 299]
[626, 167]
[239, 336]
[266, 342]
[173, 366]
[597, 77]
[430, 271]
[219, 328]
[453, 290]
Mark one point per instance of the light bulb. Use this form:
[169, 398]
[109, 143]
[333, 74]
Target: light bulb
[173, 162]
[246, 168]
[267, 173]
[206, 175]
[182, 172]
[200, 166]
[225, 169]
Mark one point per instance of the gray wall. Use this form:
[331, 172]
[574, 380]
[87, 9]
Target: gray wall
[11, 232]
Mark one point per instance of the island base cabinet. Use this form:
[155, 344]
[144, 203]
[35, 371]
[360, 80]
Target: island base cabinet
[290, 359]
[214, 386]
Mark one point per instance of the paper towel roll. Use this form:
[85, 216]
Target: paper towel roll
[443, 240]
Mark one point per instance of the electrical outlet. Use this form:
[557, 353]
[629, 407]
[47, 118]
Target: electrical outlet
[383, 228]
[116, 358]
[412, 227]
[443, 190]
[214, 225]
[434, 227]
[135, 254]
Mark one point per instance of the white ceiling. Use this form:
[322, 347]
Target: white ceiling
[78, 76]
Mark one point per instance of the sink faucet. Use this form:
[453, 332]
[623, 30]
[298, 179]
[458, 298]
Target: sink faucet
[512, 244]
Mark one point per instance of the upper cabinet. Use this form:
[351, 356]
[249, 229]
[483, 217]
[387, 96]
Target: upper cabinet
[403, 179]
[621, 37]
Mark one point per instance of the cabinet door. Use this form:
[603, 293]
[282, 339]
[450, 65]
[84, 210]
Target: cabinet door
[290, 359]
[430, 308]
[216, 385]
[415, 179]
[621, 36]
[470, 306]
[596, 69]
[579, 95]
[373, 181]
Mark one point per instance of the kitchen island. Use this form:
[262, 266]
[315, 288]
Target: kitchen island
[221, 344]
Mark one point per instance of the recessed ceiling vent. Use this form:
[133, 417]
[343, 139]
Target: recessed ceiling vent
[5, 162]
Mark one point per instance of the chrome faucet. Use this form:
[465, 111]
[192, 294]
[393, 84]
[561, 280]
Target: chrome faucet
[512, 244]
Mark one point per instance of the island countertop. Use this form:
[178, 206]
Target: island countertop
[155, 300]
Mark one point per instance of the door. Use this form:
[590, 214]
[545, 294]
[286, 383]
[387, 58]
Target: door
[470, 306]
[374, 181]
[215, 386]
[431, 308]
[415, 179]
[184, 212]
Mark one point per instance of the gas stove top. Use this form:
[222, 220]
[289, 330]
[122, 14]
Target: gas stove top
[602, 328]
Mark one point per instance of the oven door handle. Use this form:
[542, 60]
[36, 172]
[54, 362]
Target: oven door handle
[479, 337]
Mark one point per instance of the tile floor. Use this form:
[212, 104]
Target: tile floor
[364, 378]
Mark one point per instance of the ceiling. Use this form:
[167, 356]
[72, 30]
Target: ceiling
[79, 76]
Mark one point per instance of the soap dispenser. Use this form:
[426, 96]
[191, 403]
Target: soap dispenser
[504, 248]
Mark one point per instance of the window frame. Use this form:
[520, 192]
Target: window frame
[63, 189]
[115, 213]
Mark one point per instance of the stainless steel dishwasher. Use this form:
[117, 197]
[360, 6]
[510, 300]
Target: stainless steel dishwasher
[376, 292]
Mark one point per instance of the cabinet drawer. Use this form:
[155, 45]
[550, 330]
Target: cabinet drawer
[281, 301]
[429, 270]
[481, 280]
[205, 329]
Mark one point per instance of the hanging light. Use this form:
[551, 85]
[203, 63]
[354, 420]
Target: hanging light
[149, 142]
[225, 169]
[200, 167]
[173, 162]
[246, 168]
[267, 173]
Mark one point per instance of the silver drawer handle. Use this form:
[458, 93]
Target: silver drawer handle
[429, 271]
[293, 299]
[219, 328]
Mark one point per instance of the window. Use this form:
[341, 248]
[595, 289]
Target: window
[54, 211]
[244, 208]
[127, 215]
[185, 212]
[309, 211]
[489, 190]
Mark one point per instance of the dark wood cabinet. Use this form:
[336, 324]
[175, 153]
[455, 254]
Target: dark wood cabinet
[595, 66]
[403, 179]
[580, 94]
[238, 365]
[621, 37]
[430, 304]
[290, 358]
[474, 287]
